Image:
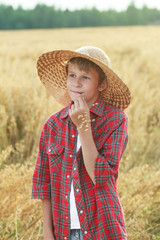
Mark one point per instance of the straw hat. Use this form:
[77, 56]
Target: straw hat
[51, 68]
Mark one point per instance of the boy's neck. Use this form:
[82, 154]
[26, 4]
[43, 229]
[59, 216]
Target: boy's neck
[90, 104]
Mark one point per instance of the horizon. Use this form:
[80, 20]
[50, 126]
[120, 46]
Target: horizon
[76, 5]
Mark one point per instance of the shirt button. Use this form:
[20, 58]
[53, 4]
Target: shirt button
[66, 217]
[65, 237]
[77, 190]
[81, 211]
[73, 135]
[75, 169]
[49, 150]
[70, 155]
[85, 232]
[66, 197]
[68, 176]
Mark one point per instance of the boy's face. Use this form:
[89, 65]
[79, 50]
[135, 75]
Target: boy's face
[82, 83]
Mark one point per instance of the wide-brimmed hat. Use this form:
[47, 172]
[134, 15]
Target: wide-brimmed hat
[51, 68]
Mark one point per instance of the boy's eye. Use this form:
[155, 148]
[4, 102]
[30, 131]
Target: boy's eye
[72, 75]
[85, 77]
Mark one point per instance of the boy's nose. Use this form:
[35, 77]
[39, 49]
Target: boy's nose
[77, 82]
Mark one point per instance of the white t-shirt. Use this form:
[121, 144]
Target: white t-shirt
[75, 224]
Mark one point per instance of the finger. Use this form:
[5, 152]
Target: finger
[70, 112]
[81, 102]
[76, 104]
[87, 111]
[84, 103]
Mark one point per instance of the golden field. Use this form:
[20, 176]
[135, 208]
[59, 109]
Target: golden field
[25, 105]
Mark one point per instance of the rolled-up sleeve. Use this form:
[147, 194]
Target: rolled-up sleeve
[41, 175]
[108, 158]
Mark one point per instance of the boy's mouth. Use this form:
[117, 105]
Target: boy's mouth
[76, 92]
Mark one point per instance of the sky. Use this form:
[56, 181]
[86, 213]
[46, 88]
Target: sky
[79, 4]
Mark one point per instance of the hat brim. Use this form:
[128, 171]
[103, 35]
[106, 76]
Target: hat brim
[51, 67]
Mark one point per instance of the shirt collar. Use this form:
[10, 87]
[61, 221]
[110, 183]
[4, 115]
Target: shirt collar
[65, 111]
[97, 108]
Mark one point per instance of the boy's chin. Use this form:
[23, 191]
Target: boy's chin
[73, 98]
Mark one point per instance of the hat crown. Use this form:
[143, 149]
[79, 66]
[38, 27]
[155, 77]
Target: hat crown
[95, 53]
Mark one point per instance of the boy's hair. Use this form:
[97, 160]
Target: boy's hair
[85, 64]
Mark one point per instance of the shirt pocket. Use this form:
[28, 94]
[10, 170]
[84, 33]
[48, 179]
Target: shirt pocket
[55, 155]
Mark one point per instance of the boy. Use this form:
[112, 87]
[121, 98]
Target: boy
[81, 147]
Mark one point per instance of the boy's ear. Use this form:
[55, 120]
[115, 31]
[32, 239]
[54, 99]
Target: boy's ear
[103, 85]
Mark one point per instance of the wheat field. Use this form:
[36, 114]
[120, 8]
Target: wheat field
[25, 105]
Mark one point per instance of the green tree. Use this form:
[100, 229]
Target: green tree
[132, 15]
[43, 16]
[6, 17]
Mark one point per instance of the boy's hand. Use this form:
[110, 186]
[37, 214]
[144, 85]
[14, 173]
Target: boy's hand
[80, 114]
[48, 237]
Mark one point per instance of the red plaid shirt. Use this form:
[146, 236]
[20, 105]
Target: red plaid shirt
[99, 209]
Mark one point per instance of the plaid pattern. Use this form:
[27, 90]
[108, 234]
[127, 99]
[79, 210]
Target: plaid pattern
[99, 209]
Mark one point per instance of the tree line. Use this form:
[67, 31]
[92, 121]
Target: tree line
[42, 16]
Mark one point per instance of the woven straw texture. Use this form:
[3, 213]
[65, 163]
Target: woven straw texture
[51, 67]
